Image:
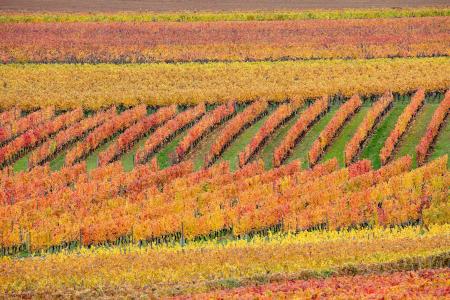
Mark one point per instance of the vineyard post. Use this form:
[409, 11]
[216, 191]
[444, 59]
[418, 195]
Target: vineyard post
[29, 242]
[20, 234]
[80, 240]
[182, 241]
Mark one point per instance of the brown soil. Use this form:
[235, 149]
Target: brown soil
[193, 5]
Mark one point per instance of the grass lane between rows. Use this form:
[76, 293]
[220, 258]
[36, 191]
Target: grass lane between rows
[441, 146]
[376, 141]
[415, 132]
[231, 153]
[336, 149]
[301, 150]
[370, 151]
[266, 153]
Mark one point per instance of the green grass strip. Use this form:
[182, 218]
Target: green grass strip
[376, 141]
[163, 157]
[92, 159]
[414, 133]
[21, 164]
[266, 154]
[57, 163]
[338, 145]
[301, 150]
[128, 157]
[204, 16]
[232, 152]
[442, 145]
[199, 152]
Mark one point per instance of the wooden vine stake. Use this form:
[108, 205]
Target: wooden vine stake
[182, 241]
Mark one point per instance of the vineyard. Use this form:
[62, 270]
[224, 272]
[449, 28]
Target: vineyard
[225, 155]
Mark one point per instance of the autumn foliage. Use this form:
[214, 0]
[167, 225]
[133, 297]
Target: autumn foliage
[136, 149]
[333, 259]
[36, 135]
[274, 121]
[10, 115]
[421, 284]
[207, 123]
[372, 117]
[218, 83]
[38, 182]
[127, 139]
[163, 134]
[434, 126]
[402, 124]
[73, 133]
[104, 132]
[326, 136]
[233, 128]
[307, 118]
[147, 204]
[17, 126]
[145, 42]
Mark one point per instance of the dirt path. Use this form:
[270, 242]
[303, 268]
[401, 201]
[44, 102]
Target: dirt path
[224, 5]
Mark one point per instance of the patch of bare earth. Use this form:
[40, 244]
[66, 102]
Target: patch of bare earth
[193, 5]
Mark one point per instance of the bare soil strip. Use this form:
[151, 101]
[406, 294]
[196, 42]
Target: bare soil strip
[210, 5]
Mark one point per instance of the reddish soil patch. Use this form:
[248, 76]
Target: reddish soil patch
[218, 5]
